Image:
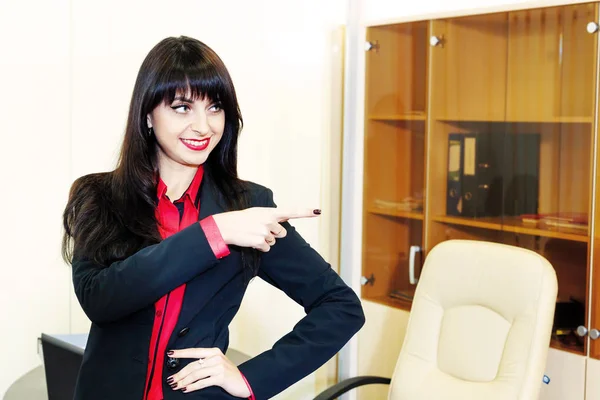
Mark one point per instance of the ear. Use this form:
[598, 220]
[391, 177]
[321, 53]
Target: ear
[149, 121]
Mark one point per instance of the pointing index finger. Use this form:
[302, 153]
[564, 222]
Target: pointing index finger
[285, 214]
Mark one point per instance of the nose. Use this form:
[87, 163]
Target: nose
[200, 124]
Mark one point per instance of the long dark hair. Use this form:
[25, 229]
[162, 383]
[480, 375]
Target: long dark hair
[110, 216]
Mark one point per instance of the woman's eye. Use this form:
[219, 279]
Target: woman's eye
[215, 107]
[181, 108]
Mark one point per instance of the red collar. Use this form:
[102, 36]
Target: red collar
[192, 190]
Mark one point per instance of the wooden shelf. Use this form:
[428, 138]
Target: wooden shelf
[566, 120]
[556, 344]
[400, 117]
[514, 224]
[554, 120]
[396, 213]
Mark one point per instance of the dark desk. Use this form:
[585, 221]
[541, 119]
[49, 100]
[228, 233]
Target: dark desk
[32, 385]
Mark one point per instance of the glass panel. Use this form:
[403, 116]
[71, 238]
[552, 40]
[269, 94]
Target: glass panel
[394, 160]
[551, 70]
[513, 104]
[595, 277]
[467, 127]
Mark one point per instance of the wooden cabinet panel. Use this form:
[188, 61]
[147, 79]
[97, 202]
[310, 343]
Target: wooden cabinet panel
[468, 66]
[394, 176]
[551, 64]
[396, 71]
[533, 84]
[578, 62]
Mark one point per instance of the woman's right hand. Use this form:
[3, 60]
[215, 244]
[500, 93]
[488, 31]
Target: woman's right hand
[257, 227]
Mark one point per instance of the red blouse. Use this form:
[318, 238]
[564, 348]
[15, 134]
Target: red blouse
[173, 217]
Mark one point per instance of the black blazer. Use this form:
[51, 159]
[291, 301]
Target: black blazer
[119, 300]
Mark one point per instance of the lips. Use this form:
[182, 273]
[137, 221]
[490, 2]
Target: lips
[195, 144]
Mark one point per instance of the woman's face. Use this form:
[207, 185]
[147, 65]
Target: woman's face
[186, 130]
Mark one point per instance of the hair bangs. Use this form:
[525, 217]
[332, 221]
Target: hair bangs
[192, 83]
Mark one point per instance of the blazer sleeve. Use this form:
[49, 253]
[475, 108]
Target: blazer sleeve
[124, 287]
[334, 314]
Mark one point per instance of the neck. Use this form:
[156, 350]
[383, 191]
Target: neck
[176, 176]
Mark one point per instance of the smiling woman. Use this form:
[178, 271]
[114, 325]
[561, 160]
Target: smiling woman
[197, 124]
[164, 246]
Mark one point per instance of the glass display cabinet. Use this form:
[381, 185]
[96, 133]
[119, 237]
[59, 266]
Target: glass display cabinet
[484, 127]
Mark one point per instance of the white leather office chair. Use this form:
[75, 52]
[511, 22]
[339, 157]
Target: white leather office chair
[479, 328]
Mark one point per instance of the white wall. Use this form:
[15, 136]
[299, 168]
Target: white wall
[34, 120]
[67, 72]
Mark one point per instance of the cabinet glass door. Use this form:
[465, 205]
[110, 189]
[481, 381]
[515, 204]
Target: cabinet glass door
[512, 119]
[394, 161]
[550, 81]
[592, 329]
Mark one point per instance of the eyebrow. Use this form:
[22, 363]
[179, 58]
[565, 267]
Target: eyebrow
[183, 98]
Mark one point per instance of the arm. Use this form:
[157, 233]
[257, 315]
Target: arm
[334, 314]
[108, 294]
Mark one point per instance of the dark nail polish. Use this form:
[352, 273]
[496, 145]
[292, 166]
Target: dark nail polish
[317, 212]
[170, 380]
[173, 386]
[170, 352]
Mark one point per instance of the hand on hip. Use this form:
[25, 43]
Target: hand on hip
[210, 368]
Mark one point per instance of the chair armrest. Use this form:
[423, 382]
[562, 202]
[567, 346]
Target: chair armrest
[348, 384]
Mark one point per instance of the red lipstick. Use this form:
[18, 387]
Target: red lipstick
[195, 144]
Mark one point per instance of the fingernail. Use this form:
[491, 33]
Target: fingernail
[170, 380]
[173, 386]
[317, 211]
[170, 352]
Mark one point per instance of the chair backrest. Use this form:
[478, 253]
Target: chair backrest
[480, 325]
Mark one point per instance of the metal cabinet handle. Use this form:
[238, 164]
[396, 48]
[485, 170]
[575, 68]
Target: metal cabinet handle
[582, 331]
[594, 334]
[411, 264]
[592, 27]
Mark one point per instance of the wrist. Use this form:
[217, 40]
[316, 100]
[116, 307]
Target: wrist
[218, 221]
[250, 394]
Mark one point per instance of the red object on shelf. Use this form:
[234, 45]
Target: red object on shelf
[560, 219]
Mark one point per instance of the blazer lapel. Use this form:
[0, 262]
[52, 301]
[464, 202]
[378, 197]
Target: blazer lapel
[209, 202]
[195, 294]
